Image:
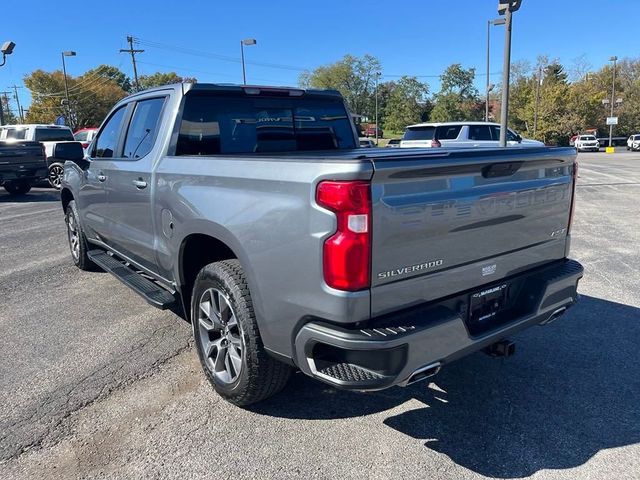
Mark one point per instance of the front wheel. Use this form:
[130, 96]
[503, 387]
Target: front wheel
[56, 170]
[19, 187]
[227, 338]
[77, 239]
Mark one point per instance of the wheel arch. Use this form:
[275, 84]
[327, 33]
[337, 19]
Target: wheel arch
[65, 197]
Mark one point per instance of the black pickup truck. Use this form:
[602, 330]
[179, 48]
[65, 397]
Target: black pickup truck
[21, 164]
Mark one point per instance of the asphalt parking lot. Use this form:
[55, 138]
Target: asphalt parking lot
[95, 383]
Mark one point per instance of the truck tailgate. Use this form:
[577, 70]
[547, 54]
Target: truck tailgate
[452, 220]
[21, 153]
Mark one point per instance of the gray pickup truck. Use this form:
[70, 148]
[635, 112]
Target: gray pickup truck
[252, 212]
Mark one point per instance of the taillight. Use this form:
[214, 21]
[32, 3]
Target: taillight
[347, 253]
[573, 195]
[44, 153]
[435, 143]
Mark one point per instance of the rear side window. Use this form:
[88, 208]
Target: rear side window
[479, 132]
[448, 132]
[419, 133]
[143, 128]
[53, 135]
[105, 146]
[213, 124]
[16, 133]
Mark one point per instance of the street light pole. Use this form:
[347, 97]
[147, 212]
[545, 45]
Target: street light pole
[66, 86]
[506, 7]
[246, 41]
[614, 59]
[377, 79]
[497, 21]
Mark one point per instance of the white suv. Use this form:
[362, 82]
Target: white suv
[461, 134]
[633, 142]
[587, 143]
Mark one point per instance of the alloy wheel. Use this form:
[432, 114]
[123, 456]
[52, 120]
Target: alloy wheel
[220, 336]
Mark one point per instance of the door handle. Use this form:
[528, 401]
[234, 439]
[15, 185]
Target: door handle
[140, 184]
[101, 177]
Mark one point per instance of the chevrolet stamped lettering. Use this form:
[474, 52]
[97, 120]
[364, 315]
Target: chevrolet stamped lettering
[411, 269]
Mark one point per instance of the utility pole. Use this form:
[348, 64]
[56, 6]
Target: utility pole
[15, 90]
[133, 52]
[535, 113]
[506, 8]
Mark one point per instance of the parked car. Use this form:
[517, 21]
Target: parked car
[633, 142]
[49, 136]
[371, 132]
[22, 163]
[460, 134]
[585, 143]
[85, 135]
[366, 143]
[393, 143]
[365, 269]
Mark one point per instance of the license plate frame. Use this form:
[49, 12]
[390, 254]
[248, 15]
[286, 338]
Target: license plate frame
[487, 304]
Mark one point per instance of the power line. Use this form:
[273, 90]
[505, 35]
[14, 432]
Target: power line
[216, 56]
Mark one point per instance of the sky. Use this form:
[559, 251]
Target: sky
[411, 37]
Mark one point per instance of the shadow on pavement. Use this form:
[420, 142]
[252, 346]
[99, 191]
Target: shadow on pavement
[571, 390]
[36, 195]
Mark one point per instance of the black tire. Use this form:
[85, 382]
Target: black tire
[56, 171]
[79, 247]
[19, 187]
[260, 375]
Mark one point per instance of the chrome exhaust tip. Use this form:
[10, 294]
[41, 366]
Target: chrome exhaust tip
[554, 316]
[423, 373]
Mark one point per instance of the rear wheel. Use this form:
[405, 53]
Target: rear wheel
[227, 338]
[18, 187]
[56, 170]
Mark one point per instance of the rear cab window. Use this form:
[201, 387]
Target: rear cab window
[419, 133]
[47, 134]
[215, 124]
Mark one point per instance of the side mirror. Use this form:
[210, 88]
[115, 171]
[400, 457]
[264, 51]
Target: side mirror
[518, 138]
[71, 151]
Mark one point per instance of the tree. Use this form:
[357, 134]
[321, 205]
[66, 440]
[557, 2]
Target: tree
[114, 74]
[353, 77]
[458, 98]
[406, 103]
[91, 96]
[159, 79]
[7, 114]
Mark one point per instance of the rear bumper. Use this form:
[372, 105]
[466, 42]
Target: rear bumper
[24, 172]
[394, 349]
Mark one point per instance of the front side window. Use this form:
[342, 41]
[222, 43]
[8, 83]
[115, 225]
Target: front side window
[105, 146]
[81, 136]
[511, 136]
[235, 124]
[53, 135]
[143, 128]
